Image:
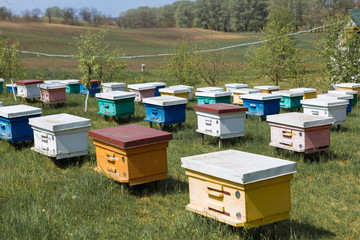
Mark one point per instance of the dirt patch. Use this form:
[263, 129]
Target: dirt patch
[50, 63]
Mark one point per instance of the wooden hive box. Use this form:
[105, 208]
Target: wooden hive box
[72, 85]
[52, 93]
[94, 87]
[349, 86]
[348, 92]
[289, 99]
[113, 86]
[28, 88]
[14, 122]
[242, 91]
[239, 188]
[327, 107]
[232, 86]
[142, 90]
[116, 103]
[300, 132]
[60, 135]
[261, 104]
[182, 92]
[213, 97]
[10, 88]
[131, 154]
[308, 92]
[190, 88]
[267, 88]
[165, 109]
[339, 96]
[158, 86]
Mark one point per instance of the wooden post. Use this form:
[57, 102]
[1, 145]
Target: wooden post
[151, 124]
[220, 143]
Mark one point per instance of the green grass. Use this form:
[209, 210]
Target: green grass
[67, 199]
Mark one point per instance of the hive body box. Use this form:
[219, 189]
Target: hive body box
[94, 87]
[339, 96]
[349, 86]
[232, 86]
[261, 104]
[187, 87]
[28, 89]
[116, 103]
[52, 93]
[348, 92]
[327, 107]
[267, 88]
[300, 132]
[1, 85]
[113, 86]
[308, 92]
[72, 85]
[131, 154]
[60, 135]
[165, 109]
[14, 122]
[142, 90]
[158, 85]
[242, 91]
[176, 92]
[221, 120]
[238, 188]
[289, 99]
[213, 97]
[10, 88]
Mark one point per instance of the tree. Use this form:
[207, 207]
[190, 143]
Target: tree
[184, 14]
[69, 15]
[340, 49]
[35, 14]
[53, 12]
[5, 14]
[85, 14]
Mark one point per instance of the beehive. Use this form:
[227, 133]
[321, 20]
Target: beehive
[213, 97]
[94, 87]
[52, 93]
[131, 154]
[72, 85]
[327, 107]
[116, 103]
[1, 104]
[308, 92]
[60, 135]
[300, 132]
[289, 99]
[14, 122]
[339, 96]
[10, 88]
[349, 86]
[113, 86]
[1, 85]
[210, 89]
[191, 96]
[239, 188]
[232, 86]
[142, 90]
[267, 88]
[242, 91]
[261, 104]
[158, 85]
[28, 89]
[176, 92]
[348, 92]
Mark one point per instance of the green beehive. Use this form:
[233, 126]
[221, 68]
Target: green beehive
[289, 99]
[116, 103]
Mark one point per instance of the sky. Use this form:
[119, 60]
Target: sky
[112, 7]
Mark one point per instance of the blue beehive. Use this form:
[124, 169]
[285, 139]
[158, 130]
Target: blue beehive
[10, 89]
[116, 103]
[213, 97]
[261, 104]
[158, 85]
[165, 109]
[94, 87]
[14, 122]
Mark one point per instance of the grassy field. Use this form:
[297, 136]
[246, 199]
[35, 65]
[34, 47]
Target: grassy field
[67, 199]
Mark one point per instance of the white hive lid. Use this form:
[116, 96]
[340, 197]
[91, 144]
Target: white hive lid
[343, 91]
[19, 111]
[239, 167]
[114, 84]
[115, 95]
[182, 86]
[261, 96]
[212, 94]
[51, 85]
[59, 122]
[236, 85]
[348, 85]
[267, 87]
[141, 86]
[335, 95]
[70, 81]
[174, 90]
[165, 100]
[52, 81]
[210, 89]
[158, 84]
[9, 85]
[303, 90]
[246, 90]
[299, 119]
[324, 102]
[1, 80]
[287, 93]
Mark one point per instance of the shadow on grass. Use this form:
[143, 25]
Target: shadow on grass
[229, 142]
[73, 162]
[167, 186]
[22, 145]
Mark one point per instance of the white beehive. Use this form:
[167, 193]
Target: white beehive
[1, 104]
[60, 135]
[232, 86]
[113, 86]
[210, 89]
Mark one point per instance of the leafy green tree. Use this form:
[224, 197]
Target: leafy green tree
[340, 49]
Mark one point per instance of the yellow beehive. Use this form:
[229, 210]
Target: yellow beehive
[308, 92]
[267, 88]
[177, 92]
[349, 86]
[239, 188]
[237, 93]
